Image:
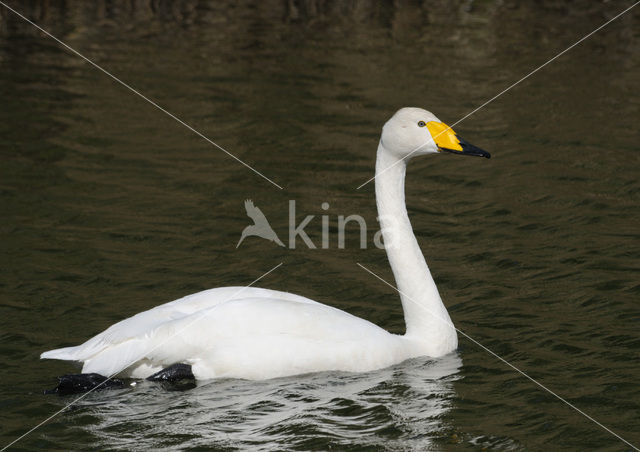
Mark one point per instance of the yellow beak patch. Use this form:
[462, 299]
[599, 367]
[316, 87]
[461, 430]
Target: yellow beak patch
[444, 136]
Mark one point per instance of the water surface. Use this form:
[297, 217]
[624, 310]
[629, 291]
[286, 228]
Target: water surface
[109, 207]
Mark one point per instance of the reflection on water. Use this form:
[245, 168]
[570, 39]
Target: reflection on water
[401, 406]
[109, 208]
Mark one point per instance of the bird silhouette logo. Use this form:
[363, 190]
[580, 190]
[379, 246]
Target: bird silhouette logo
[260, 226]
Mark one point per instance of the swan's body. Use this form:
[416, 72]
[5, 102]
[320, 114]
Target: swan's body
[260, 333]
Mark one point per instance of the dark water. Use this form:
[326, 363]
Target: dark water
[109, 207]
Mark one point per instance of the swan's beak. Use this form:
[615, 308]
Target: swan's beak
[447, 141]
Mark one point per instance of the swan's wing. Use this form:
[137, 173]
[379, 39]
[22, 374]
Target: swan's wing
[255, 213]
[252, 338]
[141, 324]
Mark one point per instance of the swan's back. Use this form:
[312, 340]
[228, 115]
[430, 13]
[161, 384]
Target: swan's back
[147, 321]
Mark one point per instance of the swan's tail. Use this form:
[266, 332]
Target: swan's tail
[65, 354]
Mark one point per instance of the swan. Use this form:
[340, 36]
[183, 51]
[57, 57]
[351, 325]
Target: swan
[254, 333]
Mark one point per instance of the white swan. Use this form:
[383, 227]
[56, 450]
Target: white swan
[257, 333]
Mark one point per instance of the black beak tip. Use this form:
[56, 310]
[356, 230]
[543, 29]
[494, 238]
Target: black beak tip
[469, 149]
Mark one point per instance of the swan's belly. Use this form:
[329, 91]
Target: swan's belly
[263, 357]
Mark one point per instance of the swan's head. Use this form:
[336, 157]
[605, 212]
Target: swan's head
[414, 131]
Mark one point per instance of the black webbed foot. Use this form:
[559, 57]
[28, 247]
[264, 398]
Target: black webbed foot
[77, 383]
[177, 377]
[173, 373]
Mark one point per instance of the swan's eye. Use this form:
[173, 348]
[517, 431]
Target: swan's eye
[421, 124]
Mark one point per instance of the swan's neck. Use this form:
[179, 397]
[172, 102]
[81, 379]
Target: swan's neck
[425, 315]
